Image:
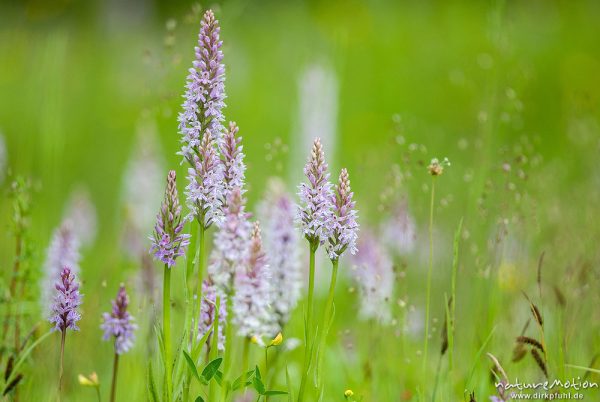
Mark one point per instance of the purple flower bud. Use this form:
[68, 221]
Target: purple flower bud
[119, 324]
[281, 244]
[205, 189]
[314, 213]
[67, 300]
[230, 250]
[208, 307]
[253, 314]
[343, 227]
[205, 90]
[232, 158]
[168, 242]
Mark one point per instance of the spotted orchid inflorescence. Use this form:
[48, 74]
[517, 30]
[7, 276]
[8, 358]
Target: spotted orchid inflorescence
[281, 245]
[119, 324]
[168, 241]
[67, 299]
[208, 307]
[205, 90]
[343, 227]
[253, 314]
[230, 251]
[314, 214]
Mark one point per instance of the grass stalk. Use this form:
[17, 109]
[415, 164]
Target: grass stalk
[429, 270]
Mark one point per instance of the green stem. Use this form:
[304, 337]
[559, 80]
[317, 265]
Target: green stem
[192, 252]
[245, 359]
[308, 323]
[326, 320]
[201, 258]
[214, 349]
[430, 269]
[167, 328]
[62, 358]
[193, 305]
[267, 371]
[113, 387]
[228, 345]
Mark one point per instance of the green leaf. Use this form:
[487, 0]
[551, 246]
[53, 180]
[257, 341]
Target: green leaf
[211, 369]
[258, 385]
[26, 354]
[199, 345]
[199, 399]
[237, 383]
[478, 356]
[257, 371]
[288, 382]
[152, 385]
[271, 393]
[219, 377]
[192, 366]
[178, 374]
[161, 343]
[591, 370]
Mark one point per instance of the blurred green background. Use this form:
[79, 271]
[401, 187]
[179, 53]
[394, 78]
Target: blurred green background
[483, 83]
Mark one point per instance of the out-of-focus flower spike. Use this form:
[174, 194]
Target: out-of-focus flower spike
[281, 244]
[230, 251]
[62, 252]
[374, 274]
[253, 315]
[81, 215]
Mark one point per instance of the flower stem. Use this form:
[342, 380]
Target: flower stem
[167, 328]
[228, 344]
[62, 358]
[200, 259]
[113, 387]
[214, 349]
[245, 359]
[326, 318]
[308, 323]
[430, 269]
[267, 371]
